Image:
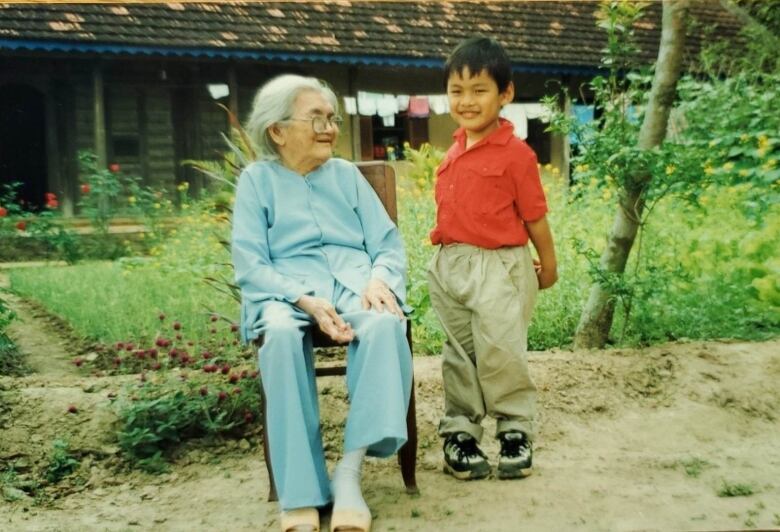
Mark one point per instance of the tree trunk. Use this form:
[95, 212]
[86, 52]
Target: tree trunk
[596, 319]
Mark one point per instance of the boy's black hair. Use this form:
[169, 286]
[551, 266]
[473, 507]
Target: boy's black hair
[480, 53]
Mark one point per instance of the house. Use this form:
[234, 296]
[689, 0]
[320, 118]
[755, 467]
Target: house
[137, 83]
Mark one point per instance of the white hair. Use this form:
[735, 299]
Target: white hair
[274, 103]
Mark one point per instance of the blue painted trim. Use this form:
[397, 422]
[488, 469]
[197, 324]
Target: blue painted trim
[272, 55]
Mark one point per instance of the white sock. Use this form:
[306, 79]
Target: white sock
[345, 484]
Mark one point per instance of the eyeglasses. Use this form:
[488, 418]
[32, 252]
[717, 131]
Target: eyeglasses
[320, 123]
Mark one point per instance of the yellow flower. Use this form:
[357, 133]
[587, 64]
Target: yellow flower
[728, 166]
[771, 163]
[607, 194]
[546, 189]
[743, 173]
[708, 170]
[744, 137]
[157, 205]
[761, 152]
[131, 200]
[670, 169]
[555, 170]
[763, 141]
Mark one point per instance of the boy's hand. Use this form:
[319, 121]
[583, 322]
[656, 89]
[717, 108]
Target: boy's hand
[546, 278]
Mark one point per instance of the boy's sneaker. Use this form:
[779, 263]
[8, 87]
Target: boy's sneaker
[463, 459]
[515, 458]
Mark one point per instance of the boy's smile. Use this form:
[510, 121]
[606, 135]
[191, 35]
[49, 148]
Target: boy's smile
[475, 102]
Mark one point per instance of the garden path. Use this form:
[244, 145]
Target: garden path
[47, 349]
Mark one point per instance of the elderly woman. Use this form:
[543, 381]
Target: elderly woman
[313, 245]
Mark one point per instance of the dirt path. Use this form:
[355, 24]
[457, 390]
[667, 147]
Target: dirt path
[650, 439]
[40, 340]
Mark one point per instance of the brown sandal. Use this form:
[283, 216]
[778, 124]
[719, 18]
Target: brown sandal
[300, 517]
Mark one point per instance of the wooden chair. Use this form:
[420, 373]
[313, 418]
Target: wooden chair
[381, 176]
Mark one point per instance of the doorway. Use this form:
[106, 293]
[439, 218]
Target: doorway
[23, 143]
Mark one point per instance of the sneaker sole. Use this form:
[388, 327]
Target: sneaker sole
[466, 475]
[508, 474]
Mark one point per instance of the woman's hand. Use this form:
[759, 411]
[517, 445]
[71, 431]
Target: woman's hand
[327, 318]
[379, 297]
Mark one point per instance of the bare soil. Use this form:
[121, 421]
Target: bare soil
[629, 439]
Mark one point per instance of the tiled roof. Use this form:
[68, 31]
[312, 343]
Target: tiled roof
[533, 32]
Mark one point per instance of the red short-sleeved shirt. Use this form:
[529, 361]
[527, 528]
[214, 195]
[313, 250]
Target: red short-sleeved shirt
[486, 193]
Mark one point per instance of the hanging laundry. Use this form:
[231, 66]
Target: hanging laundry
[350, 105]
[584, 115]
[440, 105]
[388, 121]
[537, 110]
[419, 107]
[515, 113]
[367, 102]
[387, 105]
[403, 102]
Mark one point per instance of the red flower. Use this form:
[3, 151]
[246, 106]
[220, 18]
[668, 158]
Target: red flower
[114, 167]
[233, 378]
[161, 316]
[85, 188]
[3, 212]
[72, 409]
[117, 361]
[78, 362]
[225, 369]
[233, 327]
[51, 200]
[214, 317]
[222, 396]
[176, 325]
[204, 391]
[21, 225]
[156, 366]
[236, 391]
[248, 417]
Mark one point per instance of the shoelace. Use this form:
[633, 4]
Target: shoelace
[512, 446]
[467, 448]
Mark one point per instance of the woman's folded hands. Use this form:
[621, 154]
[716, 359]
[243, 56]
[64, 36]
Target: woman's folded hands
[329, 321]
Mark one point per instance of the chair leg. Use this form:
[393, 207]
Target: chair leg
[407, 455]
[272, 497]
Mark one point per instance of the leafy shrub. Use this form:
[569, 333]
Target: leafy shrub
[156, 417]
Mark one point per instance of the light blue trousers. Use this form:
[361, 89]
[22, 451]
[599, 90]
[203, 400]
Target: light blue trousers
[379, 378]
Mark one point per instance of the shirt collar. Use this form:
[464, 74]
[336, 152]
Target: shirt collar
[502, 134]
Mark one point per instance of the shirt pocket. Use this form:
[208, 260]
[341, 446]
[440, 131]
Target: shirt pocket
[488, 190]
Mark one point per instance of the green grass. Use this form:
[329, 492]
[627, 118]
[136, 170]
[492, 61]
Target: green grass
[735, 489]
[106, 302]
[702, 272]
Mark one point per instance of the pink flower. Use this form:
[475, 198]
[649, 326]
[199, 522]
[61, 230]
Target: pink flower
[3, 212]
[21, 225]
[114, 167]
[85, 188]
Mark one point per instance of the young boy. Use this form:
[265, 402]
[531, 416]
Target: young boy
[482, 278]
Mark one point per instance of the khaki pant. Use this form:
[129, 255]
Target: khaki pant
[484, 299]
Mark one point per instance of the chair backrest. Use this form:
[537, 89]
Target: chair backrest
[381, 177]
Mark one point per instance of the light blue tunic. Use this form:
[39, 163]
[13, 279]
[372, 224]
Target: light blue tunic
[325, 234]
[293, 235]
